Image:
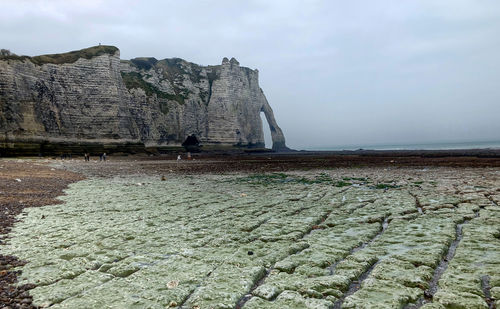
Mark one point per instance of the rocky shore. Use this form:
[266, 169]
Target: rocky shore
[24, 183]
[256, 204]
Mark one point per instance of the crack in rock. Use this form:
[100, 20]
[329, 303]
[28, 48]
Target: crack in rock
[385, 224]
[354, 286]
[485, 285]
[440, 269]
[241, 302]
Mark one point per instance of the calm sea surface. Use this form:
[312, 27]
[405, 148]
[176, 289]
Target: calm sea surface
[428, 146]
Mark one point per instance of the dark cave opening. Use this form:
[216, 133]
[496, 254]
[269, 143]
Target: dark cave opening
[191, 144]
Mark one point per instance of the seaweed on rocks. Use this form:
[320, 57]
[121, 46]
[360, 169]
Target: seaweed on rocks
[440, 269]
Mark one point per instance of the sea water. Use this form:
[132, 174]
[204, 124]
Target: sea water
[419, 146]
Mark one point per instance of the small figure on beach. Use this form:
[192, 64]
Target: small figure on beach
[87, 157]
[104, 156]
[189, 156]
[178, 157]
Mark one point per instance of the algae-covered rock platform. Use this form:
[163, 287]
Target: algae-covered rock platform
[338, 238]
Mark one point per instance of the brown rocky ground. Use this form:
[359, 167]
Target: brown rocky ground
[24, 183]
[262, 163]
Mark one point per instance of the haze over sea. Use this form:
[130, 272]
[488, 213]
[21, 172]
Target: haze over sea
[419, 146]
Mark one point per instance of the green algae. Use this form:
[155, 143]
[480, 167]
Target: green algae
[210, 241]
[289, 299]
[385, 186]
[477, 255]
[282, 178]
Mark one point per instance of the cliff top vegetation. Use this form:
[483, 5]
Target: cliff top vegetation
[69, 57]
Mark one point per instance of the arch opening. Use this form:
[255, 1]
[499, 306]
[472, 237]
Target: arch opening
[267, 131]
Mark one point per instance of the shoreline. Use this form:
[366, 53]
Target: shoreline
[11, 149]
[465, 152]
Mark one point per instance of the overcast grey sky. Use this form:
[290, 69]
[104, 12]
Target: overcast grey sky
[335, 72]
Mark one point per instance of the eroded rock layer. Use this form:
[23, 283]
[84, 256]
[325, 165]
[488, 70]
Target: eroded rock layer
[90, 99]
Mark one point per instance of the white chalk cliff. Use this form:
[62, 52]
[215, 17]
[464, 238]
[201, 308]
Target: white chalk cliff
[91, 96]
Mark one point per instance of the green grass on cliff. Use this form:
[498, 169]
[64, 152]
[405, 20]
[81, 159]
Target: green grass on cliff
[175, 71]
[69, 57]
[144, 63]
[134, 80]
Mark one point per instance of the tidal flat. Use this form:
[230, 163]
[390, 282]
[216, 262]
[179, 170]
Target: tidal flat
[321, 238]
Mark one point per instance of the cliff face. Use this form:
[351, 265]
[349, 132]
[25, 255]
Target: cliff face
[92, 96]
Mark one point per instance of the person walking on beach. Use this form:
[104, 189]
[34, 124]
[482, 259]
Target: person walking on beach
[104, 156]
[87, 157]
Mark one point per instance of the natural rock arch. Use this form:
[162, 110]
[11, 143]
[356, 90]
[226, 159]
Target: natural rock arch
[277, 136]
